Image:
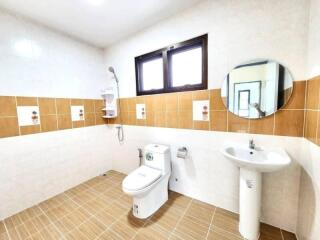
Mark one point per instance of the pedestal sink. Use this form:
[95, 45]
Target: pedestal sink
[252, 162]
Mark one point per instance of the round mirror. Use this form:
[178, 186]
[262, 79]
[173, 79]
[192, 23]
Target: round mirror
[257, 88]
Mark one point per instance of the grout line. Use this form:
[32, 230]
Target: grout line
[215, 209]
[79, 206]
[7, 231]
[281, 234]
[305, 108]
[91, 215]
[53, 224]
[16, 102]
[56, 111]
[39, 115]
[180, 219]
[274, 124]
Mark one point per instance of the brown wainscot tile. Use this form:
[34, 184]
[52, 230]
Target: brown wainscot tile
[24, 130]
[141, 122]
[9, 127]
[201, 125]
[48, 123]
[289, 123]
[77, 102]
[89, 119]
[171, 100]
[216, 102]
[201, 95]
[318, 135]
[150, 102]
[124, 104]
[237, 124]
[313, 86]
[310, 128]
[47, 106]
[185, 101]
[8, 106]
[185, 119]
[140, 100]
[262, 126]
[160, 119]
[150, 121]
[98, 105]
[88, 105]
[64, 121]
[132, 104]
[132, 119]
[172, 119]
[124, 117]
[114, 120]
[297, 98]
[159, 103]
[100, 120]
[63, 106]
[77, 124]
[218, 121]
[27, 101]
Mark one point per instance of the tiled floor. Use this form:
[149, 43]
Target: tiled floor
[97, 209]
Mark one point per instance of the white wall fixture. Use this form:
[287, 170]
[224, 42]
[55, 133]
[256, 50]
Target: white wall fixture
[141, 111]
[77, 113]
[201, 110]
[252, 162]
[110, 103]
[28, 115]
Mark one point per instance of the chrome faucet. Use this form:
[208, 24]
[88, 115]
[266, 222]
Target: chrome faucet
[251, 144]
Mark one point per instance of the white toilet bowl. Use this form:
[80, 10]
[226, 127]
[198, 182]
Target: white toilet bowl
[148, 185]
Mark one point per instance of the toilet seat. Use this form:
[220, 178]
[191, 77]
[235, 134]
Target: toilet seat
[141, 178]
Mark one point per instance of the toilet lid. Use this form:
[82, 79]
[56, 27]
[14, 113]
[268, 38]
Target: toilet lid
[141, 178]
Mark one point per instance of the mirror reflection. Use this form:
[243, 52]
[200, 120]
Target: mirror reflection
[257, 89]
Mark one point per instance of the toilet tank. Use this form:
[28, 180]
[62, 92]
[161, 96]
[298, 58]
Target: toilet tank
[158, 156]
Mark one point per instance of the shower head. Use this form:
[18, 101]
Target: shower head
[111, 69]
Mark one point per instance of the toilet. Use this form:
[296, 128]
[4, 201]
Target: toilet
[148, 185]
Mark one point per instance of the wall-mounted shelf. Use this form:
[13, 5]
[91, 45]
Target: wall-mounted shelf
[110, 102]
[108, 116]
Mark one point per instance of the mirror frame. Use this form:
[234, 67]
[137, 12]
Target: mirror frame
[254, 62]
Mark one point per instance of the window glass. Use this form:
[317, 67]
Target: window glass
[186, 67]
[175, 68]
[152, 74]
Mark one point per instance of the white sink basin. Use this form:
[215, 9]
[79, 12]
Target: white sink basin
[261, 160]
[252, 163]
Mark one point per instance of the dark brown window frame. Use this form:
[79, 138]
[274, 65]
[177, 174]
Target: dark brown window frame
[166, 53]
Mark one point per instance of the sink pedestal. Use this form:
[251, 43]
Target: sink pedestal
[250, 203]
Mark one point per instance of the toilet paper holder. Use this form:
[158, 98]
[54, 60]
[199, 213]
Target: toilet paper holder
[182, 152]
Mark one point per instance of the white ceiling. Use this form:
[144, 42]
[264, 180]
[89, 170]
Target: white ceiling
[98, 22]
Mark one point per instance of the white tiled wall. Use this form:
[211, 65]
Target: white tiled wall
[314, 39]
[208, 176]
[36, 167]
[35, 61]
[308, 227]
[237, 31]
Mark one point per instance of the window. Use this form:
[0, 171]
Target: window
[180, 67]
